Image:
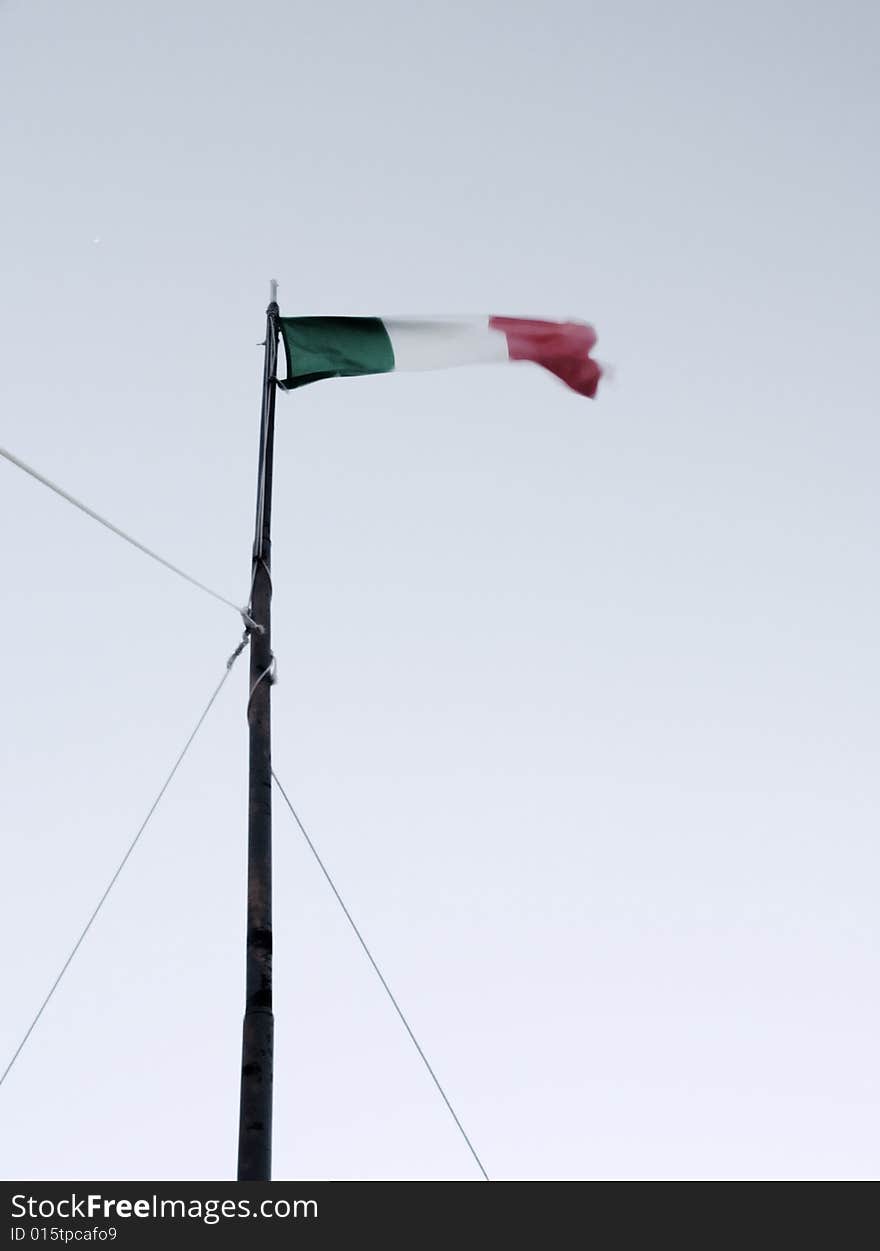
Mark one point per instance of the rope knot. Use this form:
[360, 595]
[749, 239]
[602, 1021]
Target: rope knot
[250, 626]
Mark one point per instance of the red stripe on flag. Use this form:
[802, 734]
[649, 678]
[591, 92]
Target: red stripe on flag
[563, 347]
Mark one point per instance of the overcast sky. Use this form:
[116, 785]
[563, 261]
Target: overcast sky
[577, 699]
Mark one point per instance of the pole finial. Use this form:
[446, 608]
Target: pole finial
[273, 291]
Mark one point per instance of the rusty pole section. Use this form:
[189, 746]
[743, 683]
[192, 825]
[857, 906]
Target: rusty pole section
[255, 1118]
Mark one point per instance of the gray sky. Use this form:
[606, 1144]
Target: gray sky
[578, 700]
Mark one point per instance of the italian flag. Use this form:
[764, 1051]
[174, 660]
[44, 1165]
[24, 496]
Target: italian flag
[343, 347]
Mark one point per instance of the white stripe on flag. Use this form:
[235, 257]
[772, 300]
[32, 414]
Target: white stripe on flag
[441, 342]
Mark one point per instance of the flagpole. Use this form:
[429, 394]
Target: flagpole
[255, 1116]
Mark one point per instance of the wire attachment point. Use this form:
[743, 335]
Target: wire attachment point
[245, 639]
[250, 626]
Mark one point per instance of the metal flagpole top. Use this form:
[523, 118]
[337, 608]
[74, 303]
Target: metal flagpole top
[273, 291]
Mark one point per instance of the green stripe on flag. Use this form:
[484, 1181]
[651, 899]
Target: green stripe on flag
[334, 347]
